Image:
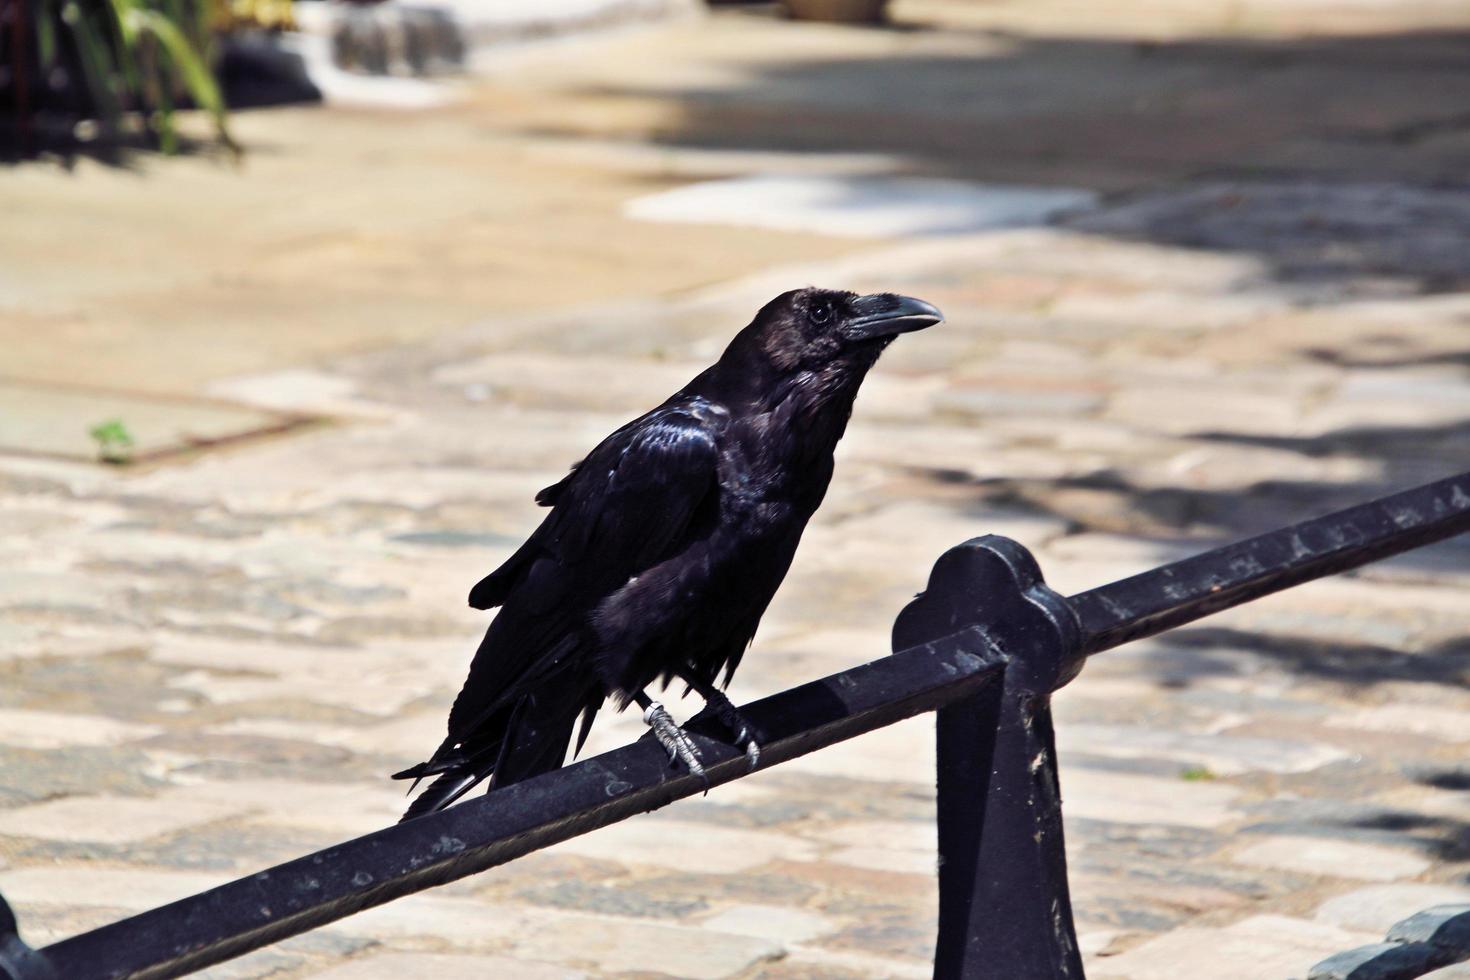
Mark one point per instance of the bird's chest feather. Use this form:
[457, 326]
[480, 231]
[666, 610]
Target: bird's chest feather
[770, 488]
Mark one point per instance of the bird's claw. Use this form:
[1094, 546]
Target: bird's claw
[674, 740]
[742, 730]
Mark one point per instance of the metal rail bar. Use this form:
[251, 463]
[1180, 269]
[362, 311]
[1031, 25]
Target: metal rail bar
[332, 884]
[1172, 595]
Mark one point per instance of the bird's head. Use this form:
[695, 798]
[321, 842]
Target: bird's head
[812, 329]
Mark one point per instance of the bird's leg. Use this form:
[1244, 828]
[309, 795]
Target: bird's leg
[744, 732]
[673, 738]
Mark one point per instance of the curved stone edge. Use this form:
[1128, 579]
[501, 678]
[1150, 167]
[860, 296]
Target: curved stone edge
[1415, 947]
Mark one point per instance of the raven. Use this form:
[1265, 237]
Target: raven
[664, 546]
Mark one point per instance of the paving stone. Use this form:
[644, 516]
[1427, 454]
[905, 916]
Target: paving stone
[774, 922]
[556, 380]
[1165, 309]
[1264, 947]
[808, 961]
[1022, 399]
[221, 846]
[158, 426]
[902, 835]
[687, 846]
[314, 944]
[614, 946]
[1176, 410]
[443, 966]
[1096, 942]
[1377, 907]
[1342, 859]
[345, 809]
[906, 847]
[643, 900]
[901, 753]
[1380, 397]
[132, 889]
[252, 966]
[72, 640]
[459, 922]
[377, 694]
[1280, 214]
[283, 729]
[1439, 723]
[29, 776]
[919, 532]
[234, 759]
[41, 925]
[1444, 805]
[412, 735]
[792, 886]
[299, 390]
[51, 730]
[885, 929]
[772, 811]
[110, 819]
[455, 539]
[887, 859]
[859, 205]
[1119, 798]
[1223, 754]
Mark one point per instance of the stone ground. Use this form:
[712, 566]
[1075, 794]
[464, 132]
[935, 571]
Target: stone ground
[211, 662]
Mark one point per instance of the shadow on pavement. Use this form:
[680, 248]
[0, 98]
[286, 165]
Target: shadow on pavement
[1347, 113]
[1331, 660]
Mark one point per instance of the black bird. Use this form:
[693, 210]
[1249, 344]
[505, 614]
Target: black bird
[664, 546]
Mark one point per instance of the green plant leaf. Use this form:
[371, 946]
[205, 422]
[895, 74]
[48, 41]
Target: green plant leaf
[107, 23]
[114, 441]
[95, 54]
[46, 32]
[126, 33]
[163, 118]
[139, 55]
[196, 75]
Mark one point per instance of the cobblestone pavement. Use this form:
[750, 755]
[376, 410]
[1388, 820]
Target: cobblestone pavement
[211, 665]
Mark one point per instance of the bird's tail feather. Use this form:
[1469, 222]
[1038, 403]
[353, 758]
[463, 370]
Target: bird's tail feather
[438, 764]
[441, 792]
[531, 742]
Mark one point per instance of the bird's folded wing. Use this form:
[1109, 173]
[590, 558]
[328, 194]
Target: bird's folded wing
[628, 506]
[622, 508]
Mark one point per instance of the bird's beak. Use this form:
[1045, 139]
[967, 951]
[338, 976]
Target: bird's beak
[886, 314]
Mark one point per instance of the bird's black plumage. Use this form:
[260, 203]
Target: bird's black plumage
[665, 544]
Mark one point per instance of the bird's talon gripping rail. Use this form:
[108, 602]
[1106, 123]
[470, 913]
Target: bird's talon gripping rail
[680, 746]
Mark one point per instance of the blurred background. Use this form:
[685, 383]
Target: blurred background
[301, 302]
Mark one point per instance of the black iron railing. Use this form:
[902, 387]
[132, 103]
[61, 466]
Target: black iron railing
[984, 646]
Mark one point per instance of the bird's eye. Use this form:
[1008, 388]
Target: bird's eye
[820, 314]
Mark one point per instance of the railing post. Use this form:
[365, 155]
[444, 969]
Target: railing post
[17, 960]
[1005, 911]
